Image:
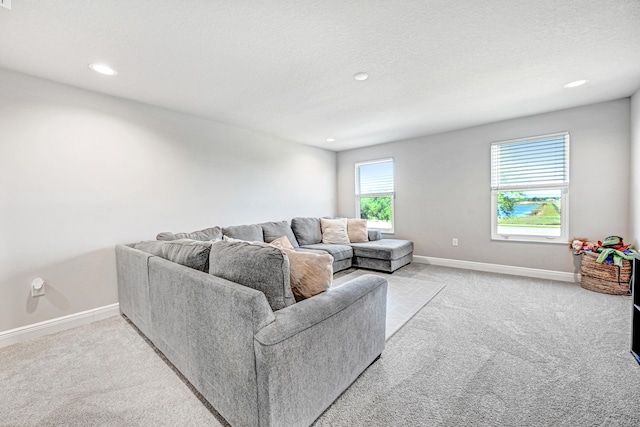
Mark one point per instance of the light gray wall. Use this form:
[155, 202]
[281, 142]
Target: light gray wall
[80, 172]
[635, 170]
[443, 185]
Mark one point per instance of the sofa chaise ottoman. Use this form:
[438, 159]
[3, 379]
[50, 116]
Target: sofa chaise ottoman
[384, 255]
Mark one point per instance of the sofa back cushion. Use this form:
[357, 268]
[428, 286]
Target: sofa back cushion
[258, 266]
[307, 230]
[152, 247]
[272, 230]
[188, 252]
[250, 233]
[212, 233]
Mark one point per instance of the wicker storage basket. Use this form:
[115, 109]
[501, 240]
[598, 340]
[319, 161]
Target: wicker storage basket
[604, 278]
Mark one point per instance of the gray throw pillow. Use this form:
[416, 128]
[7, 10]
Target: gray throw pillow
[273, 230]
[251, 233]
[307, 230]
[255, 265]
[212, 233]
[187, 252]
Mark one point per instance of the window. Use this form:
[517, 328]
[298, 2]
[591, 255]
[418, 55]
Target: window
[530, 189]
[375, 194]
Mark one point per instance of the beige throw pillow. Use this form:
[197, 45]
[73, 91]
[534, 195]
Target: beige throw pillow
[357, 230]
[334, 231]
[282, 243]
[310, 274]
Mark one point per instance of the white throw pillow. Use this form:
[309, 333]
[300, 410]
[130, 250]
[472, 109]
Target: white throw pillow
[334, 231]
[357, 230]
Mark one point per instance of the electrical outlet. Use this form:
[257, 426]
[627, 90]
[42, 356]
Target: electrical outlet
[37, 287]
[454, 242]
[5, 3]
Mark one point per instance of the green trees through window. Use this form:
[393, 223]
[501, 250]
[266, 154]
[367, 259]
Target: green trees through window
[375, 193]
[507, 203]
[376, 208]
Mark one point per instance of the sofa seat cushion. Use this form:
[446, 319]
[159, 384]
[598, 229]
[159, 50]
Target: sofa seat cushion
[250, 233]
[311, 251]
[386, 249]
[339, 252]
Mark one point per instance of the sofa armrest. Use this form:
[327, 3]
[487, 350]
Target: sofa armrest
[307, 313]
[327, 341]
[205, 325]
[374, 235]
[133, 286]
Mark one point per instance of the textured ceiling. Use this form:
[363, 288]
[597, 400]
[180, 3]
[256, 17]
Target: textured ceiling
[286, 68]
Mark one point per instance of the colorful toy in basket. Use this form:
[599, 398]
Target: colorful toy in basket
[580, 245]
[613, 251]
[605, 265]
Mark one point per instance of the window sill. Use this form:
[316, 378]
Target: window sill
[531, 239]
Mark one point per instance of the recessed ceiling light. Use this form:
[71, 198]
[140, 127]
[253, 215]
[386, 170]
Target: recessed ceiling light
[103, 69]
[576, 83]
[361, 76]
[330, 139]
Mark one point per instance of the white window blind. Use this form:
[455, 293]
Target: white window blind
[538, 162]
[374, 177]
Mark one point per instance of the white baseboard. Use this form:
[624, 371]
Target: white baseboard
[13, 336]
[498, 268]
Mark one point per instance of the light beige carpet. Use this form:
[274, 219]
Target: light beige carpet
[408, 290]
[488, 350]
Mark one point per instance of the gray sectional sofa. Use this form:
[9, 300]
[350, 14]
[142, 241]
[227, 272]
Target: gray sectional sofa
[259, 357]
[305, 234]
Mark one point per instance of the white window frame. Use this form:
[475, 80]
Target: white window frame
[391, 194]
[564, 199]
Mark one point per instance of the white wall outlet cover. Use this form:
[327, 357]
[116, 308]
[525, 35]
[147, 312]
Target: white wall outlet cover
[5, 3]
[37, 287]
